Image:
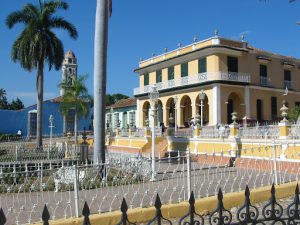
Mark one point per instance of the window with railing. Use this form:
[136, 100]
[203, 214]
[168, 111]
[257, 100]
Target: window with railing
[202, 65]
[171, 73]
[232, 64]
[287, 79]
[158, 76]
[146, 79]
[263, 73]
[184, 69]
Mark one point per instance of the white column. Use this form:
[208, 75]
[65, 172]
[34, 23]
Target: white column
[121, 119]
[137, 113]
[247, 101]
[217, 104]
[128, 118]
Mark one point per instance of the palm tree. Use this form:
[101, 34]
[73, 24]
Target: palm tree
[37, 44]
[103, 11]
[75, 98]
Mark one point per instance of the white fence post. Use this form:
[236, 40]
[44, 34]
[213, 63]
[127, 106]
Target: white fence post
[76, 198]
[188, 164]
[275, 164]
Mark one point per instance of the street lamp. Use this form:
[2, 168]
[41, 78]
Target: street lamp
[111, 118]
[51, 119]
[201, 96]
[175, 104]
[153, 96]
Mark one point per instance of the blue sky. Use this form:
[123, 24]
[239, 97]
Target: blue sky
[139, 28]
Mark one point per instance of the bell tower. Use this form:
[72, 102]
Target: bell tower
[69, 73]
[69, 68]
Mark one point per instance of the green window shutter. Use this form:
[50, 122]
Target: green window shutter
[202, 66]
[158, 76]
[184, 69]
[171, 73]
[146, 79]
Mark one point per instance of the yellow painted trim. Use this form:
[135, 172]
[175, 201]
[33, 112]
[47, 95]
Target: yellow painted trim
[139, 215]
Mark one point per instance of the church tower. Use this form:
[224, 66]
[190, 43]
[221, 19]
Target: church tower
[69, 68]
[69, 73]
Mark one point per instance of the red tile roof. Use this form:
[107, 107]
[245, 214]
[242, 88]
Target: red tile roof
[123, 103]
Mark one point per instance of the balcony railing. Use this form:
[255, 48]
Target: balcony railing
[288, 84]
[264, 81]
[197, 79]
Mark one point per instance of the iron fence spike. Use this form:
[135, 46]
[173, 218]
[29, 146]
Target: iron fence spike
[124, 206]
[86, 210]
[45, 215]
[192, 198]
[297, 190]
[2, 217]
[157, 202]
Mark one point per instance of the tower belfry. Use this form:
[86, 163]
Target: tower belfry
[69, 73]
[69, 68]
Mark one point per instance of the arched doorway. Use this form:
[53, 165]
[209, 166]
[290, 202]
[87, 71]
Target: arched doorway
[159, 113]
[205, 109]
[186, 107]
[234, 104]
[170, 111]
[146, 111]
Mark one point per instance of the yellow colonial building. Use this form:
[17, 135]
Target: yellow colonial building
[234, 76]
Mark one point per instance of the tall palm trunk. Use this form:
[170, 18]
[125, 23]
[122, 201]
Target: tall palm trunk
[40, 91]
[75, 128]
[100, 58]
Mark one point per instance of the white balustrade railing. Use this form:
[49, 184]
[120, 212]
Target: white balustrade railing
[195, 79]
[139, 132]
[288, 84]
[124, 132]
[183, 133]
[213, 132]
[264, 81]
[294, 131]
[259, 132]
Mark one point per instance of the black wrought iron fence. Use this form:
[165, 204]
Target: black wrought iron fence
[270, 213]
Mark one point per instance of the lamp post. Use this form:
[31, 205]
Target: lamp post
[111, 118]
[201, 96]
[175, 111]
[51, 119]
[153, 96]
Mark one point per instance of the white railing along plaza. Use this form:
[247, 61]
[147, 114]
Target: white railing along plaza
[214, 132]
[195, 79]
[259, 132]
[25, 191]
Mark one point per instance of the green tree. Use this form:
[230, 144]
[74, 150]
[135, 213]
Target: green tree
[3, 100]
[38, 44]
[103, 11]
[75, 98]
[294, 113]
[16, 104]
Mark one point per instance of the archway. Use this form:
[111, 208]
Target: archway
[159, 108]
[170, 111]
[146, 110]
[186, 107]
[205, 109]
[234, 104]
